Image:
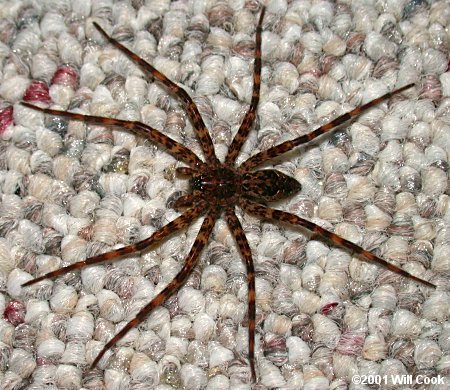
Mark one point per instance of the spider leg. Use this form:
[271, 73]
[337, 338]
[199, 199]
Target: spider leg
[178, 223]
[199, 126]
[284, 147]
[174, 285]
[173, 147]
[278, 215]
[244, 247]
[250, 116]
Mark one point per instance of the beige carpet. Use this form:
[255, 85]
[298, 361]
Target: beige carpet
[325, 319]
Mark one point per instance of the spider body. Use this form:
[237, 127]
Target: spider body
[224, 186]
[219, 185]
[268, 185]
[218, 188]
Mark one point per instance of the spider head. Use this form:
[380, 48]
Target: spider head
[219, 186]
[269, 185]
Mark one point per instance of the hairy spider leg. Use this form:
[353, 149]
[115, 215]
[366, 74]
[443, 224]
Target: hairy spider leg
[179, 223]
[191, 108]
[283, 216]
[239, 235]
[173, 147]
[189, 265]
[285, 147]
[250, 116]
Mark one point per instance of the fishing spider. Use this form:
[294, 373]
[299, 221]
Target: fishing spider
[217, 188]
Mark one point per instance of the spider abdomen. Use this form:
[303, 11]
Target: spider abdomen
[269, 185]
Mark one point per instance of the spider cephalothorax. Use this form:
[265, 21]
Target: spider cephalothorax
[218, 185]
[218, 188]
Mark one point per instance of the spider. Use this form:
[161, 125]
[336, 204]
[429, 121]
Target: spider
[218, 188]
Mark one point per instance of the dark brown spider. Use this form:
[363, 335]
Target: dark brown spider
[218, 188]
